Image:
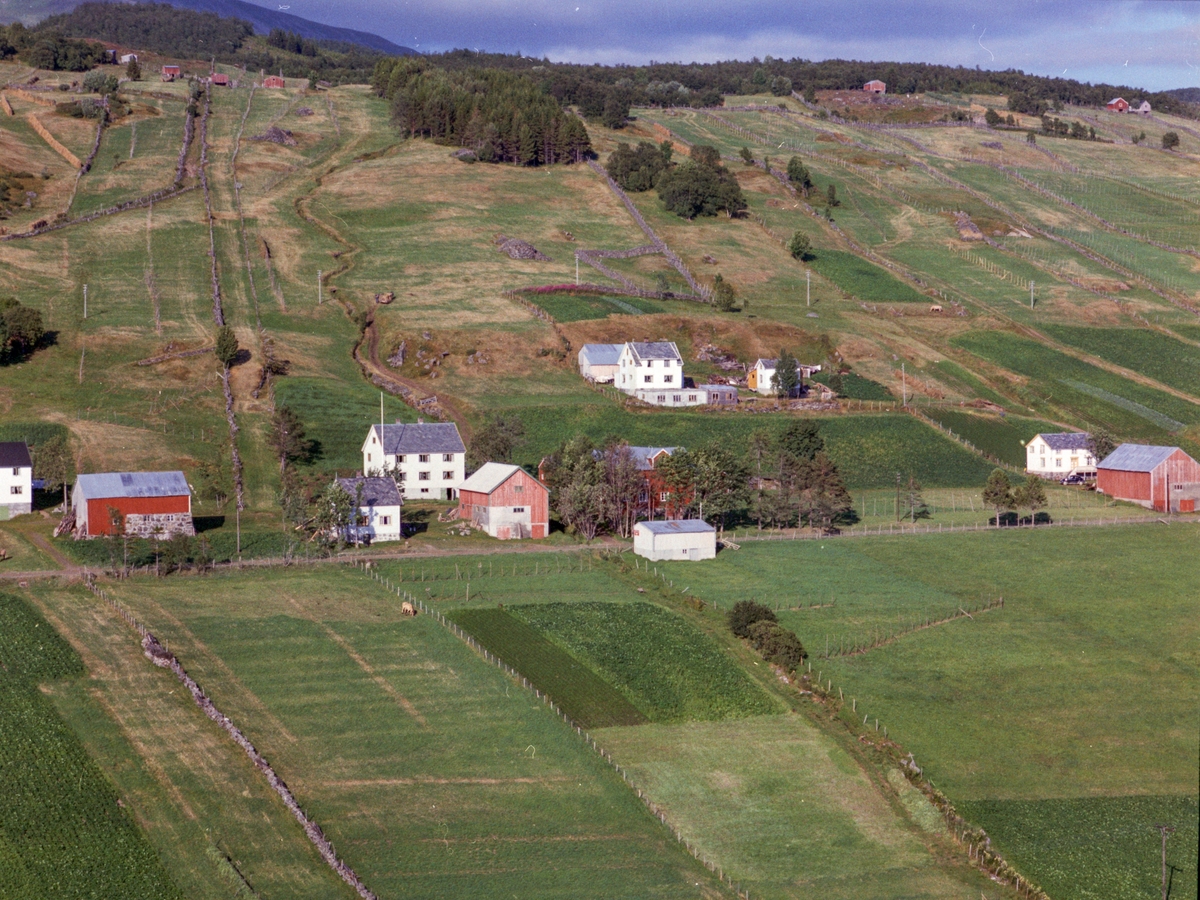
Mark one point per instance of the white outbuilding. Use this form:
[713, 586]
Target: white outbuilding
[378, 509]
[599, 362]
[675, 539]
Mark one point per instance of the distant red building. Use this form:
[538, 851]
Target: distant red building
[170, 73]
[146, 504]
[274, 81]
[220, 78]
[875, 86]
[1161, 478]
[1118, 104]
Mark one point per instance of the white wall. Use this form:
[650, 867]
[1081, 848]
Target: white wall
[680, 546]
[648, 375]
[412, 486]
[20, 481]
[1041, 460]
[676, 397]
[375, 528]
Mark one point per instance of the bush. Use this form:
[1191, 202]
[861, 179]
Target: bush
[776, 644]
[1170, 140]
[746, 613]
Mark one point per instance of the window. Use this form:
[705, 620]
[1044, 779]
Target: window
[677, 398]
[667, 379]
[16, 489]
[662, 398]
[648, 379]
[518, 488]
[400, 459]
[385, 520]
[692, 398]
[16, 470]
[664, 497]
[402, 474]
[424, 490]
[447, 457]
[518, 509]
[368, 457]
[447, 476]
[423, 457]
[423, 476]
[1058, 461]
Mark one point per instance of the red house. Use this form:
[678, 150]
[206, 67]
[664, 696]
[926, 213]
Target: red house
[220, 78]
[170, 73]
[506, 502]
[1118, 104]
[875, 86]
[145, 504]
[1161, 478]
[273, 81]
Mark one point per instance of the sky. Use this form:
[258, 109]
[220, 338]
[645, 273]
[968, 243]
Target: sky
[1152, 44]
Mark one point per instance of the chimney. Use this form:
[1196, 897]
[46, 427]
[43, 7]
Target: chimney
[420, 420]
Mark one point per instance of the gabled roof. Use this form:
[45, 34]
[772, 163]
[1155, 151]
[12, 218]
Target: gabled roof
[491, 475]
[1117, 100]
[765, 364]
[1067, 440]
[654, 350]
[420, 437]
[644, 456]
[678, 526]
[14, 454]
[376, 491]
[104, 485]
[1136, 458]
[601, 354]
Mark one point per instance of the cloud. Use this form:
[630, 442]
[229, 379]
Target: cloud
[1091, 40]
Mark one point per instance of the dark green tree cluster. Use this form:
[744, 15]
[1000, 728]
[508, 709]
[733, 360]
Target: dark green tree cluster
[1002, 496]
[501, 116]
[496, 440]
[701, 186]
[1170, 140]
[100, 82]
[808, 489]
[158, 27]
[1076, 130]
[45, 48]
[638, 169]
[758, 624]
[799, 175]
[21, 330]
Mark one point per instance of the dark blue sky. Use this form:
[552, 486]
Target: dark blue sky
[1155, 45]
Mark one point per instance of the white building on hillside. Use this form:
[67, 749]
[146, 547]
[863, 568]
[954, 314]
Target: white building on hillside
[652, 367]
[675, 539]
[761, 377]
[599, 362]
[427, 459]
[1060, 455]
[16, 480]
[378, 507]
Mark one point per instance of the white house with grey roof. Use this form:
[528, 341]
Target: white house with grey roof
[16, 479]
[675, 539]
[379, 504]
[650, 368]
[599, 362]
[427, 459]
[1059, 455]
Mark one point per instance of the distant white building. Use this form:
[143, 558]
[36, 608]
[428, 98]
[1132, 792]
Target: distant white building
[378, 508]
[675, 539]
[127, 58]
[652, 367]
[16, 480]
[679, 397]
[1059, 455]
[427, 459]
[599, 362]
[761, 377]
[1143, 110]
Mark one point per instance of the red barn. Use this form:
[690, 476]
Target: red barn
[170, 73]
[147, 503]
[1161, 478]
[506, 502]
[1118, 104]
[273, 81]
[220, 78]
[875, 86]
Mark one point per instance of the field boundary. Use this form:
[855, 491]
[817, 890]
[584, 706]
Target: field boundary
[52, 141]
[161, 656]
[547, 700]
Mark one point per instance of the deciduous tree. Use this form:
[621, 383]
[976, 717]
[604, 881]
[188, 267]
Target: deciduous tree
[998, 493]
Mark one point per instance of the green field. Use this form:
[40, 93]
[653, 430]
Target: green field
[1151, 353]
[1082, 687]
[863, 280]
[62, 832]
[582, 694]
[580, 307]
[1000, 437]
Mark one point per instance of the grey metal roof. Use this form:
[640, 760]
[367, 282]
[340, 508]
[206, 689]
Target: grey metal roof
[376, 491]
[1067, 440]
[655, 350]
[1136, 458]
[420, 437]
[132, 484]
[644, 455]
[601, 354]
[14, 454]
[717, 387]
[491, 475]
[678, 526]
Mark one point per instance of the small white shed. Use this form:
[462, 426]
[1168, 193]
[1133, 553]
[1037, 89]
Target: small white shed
[599, 362]
[675, 539]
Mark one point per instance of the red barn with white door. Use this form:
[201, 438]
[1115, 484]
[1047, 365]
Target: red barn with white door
[506, 502]
[1161, 478]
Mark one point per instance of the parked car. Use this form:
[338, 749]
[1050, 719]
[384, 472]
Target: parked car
[1075, 478]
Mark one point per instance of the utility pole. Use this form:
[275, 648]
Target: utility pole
[903, 386]
[85, 301]
[576, 270]
[1166, 830]
[808, 287]
[319, 297]
[1031, 293]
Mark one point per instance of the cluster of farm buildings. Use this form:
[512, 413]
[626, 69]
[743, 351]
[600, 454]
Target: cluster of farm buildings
[427, 461]
[652, 372]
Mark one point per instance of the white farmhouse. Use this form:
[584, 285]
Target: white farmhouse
[1060, 455]
[378, 507]
[16, 480]
[427, 459]
[675, 539]
[599, 362]
[761, 377]
[652, 367]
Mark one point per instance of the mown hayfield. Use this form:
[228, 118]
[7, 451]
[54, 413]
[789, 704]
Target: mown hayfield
[62, 832]
[432, 772]
[862, 280]
[1082, 687]
[580, 307]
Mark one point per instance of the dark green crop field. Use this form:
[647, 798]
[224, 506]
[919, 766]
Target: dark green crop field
[999, 437]
[1151, 353]
[863, 280]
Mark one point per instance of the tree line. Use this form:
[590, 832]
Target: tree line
[700, 186]
[499, 116]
